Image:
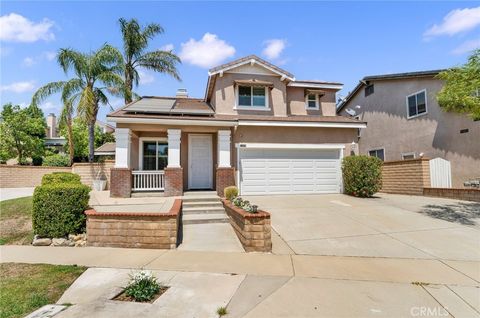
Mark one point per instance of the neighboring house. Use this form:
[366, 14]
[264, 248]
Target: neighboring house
[106, 128]
[257, 127]
[107, 149]
[406, 122]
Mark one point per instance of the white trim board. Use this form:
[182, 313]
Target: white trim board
[289, 146]
[252, 62]
[315, 85]
[300, 124]
[181, 122]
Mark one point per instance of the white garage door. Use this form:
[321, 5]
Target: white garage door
[280, 171]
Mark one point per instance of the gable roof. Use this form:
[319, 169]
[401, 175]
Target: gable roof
[250, 59]
[386, 77]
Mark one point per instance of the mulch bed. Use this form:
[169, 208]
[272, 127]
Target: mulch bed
[123, 297]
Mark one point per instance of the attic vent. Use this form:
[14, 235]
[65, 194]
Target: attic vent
[182, 93]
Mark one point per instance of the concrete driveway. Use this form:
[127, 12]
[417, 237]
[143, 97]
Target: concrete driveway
[14, 193]
[386, 226]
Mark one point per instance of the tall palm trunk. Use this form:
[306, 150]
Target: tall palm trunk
[70, 140]
[91, 140]
[129, 86]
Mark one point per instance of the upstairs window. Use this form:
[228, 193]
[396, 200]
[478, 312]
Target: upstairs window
[311, 101]
[369, 90]
[252, 96]
[379, 153]
[417, 104]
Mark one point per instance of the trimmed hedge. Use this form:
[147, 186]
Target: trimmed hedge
[58, 209]
[56, 160]
[60, 177]
[362, 175]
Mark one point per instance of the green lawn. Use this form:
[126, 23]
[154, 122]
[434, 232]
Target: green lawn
[27, 287]
[16, 221]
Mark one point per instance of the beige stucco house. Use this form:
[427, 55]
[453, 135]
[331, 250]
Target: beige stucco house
[257, 127]
[405, 122]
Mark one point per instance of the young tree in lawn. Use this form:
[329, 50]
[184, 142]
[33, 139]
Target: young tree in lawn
[461, 93]
[135, 43]
[96, 74]
[22, 132]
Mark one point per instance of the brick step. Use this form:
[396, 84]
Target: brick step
[199, 193]
[203, 210]
[203, 204]
[147, 194]
[205, 218]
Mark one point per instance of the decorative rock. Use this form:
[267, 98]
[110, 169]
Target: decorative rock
[59, 242]
[80, 243]
[37, 241]
[71, 237]
[70, 243]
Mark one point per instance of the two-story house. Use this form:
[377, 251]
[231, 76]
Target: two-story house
[406, 122]
[257, 127]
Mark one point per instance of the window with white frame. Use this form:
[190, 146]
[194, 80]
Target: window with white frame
[252, 96]
[379, 153]
[154, 154]
[408, 155]
[417, 104]
[311, 101]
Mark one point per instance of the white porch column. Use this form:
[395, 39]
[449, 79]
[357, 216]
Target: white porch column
[174, 136]
[224, 149]
[122, 147]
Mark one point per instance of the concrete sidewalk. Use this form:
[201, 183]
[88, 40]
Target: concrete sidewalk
[398, 270]
[14, 193]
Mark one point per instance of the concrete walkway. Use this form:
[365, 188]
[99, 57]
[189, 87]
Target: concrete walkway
[14, 193]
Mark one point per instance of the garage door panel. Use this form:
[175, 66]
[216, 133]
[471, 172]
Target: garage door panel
[278, 171]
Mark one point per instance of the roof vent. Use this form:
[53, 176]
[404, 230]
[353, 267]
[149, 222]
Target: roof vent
[182, 93]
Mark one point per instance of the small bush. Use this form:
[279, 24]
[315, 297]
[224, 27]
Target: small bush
[362, 175]
[37, 161]
[58, 209]
[143, 286]
[230, 192]
[222, 311]
[60, 177]
[56, 160]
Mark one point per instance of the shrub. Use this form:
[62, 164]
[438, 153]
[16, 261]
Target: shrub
[37, 161]
[230, 192]
[362, 175]
[143, 286]
[60, 177]
[58, 209]
[56, 160]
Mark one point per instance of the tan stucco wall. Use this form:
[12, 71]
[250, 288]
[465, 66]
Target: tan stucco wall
[436, 134]
[224, 92]
[296, 102]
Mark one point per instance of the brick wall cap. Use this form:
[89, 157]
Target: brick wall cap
[245, 214]
[34, 167]
[174, 211]
[406, 161]
[452, 189]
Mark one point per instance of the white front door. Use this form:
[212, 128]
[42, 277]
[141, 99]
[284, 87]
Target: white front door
[200, 161]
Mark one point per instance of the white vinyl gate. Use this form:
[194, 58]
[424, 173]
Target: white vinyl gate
[440, 173]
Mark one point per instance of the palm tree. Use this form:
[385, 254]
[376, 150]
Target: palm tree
[96, 74]
[135, 42]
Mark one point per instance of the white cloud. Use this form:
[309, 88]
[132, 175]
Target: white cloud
[49, 55]
[146, 77]
[456, 21]
[467, 47]
[49, 107]
[16, 28]
[167, 47]
[273, 48]
[19, 87]
[208, 52]
[29, 61]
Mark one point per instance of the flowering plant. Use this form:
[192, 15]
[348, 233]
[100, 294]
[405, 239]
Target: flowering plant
[143, 286]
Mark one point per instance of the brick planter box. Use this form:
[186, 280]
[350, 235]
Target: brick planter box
[252, 229]
[452, 193]
[134, 229]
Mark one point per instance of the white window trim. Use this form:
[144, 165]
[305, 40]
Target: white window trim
[408, 154]
[377, 149]
[426, 104]
[140, 149]
[317, 102]
[240, 107]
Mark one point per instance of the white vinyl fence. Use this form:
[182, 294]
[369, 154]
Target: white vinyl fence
[440, 173]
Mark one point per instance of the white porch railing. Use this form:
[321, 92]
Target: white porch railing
[148, 180]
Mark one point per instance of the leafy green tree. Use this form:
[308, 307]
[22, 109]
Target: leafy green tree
[22, 132]
[461, 93]
[135, 43]
[97, 74]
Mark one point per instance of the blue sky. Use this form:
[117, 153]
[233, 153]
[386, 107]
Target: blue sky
[333, 41]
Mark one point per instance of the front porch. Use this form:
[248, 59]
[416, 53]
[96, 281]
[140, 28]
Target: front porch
[160, 159]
